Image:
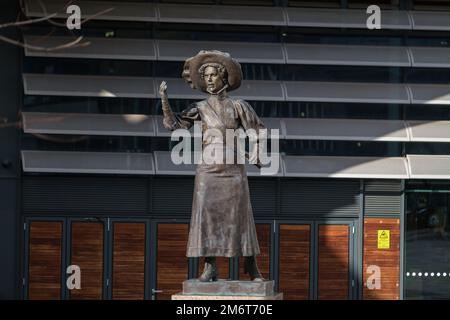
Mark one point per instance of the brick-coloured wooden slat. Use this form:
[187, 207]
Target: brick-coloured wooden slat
[294, 261]
[128, 280]
[44, 267]
[172, 262]
[87, 253]
[333, 264]
[387, 259]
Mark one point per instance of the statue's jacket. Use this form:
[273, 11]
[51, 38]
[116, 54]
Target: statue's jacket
[222, 221]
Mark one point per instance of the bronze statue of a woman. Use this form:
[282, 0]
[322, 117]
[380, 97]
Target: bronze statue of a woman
[222, 218]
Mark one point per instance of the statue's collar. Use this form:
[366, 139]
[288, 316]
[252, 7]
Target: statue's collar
[220, 95]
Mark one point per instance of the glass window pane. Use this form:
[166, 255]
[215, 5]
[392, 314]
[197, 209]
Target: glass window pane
[427, 245]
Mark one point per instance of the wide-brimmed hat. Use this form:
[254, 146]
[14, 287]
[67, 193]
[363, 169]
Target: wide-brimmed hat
[192, 65]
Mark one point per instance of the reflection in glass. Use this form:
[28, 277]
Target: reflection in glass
[427, 246]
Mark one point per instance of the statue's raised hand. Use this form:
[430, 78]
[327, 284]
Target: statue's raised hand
[163, 89]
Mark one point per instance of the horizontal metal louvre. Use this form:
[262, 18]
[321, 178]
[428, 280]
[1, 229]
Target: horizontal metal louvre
[98, 48]
[346, 92]
[344, 18]
[125, 11]
[429, 131]
[165, 166]
[145, 87]
[88, 123]
[89, 86]
[429, 166]
[382, 197]
[87, 162]
[382, 204]
[430, 20]
[345, 129]
[382, 186]
[248, 15]
[428, 57]
[430, 93]
[84, 195]
[345, 167]
[409, 167]
[289, 128]
[322, 196]
[353, 55]
[244, 52]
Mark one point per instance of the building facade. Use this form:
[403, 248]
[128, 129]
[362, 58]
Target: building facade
[358, 209]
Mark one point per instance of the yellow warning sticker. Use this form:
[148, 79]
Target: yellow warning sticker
[384, 239]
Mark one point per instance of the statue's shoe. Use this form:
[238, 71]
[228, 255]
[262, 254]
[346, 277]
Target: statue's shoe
[209, 273]
[251, 268]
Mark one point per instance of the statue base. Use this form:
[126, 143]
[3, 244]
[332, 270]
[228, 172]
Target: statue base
[228, 290]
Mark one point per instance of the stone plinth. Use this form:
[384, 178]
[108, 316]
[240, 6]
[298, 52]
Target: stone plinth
[228, 290]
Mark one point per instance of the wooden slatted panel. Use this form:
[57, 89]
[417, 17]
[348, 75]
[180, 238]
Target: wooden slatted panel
[172, 261]
[263, 234]
[128, 261]
[44, 268]
[387, 259]
[294, 272]
[87, 253]
[333, 272]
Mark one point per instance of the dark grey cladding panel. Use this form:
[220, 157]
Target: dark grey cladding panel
[354, 55]
[172, 195]
[85, 195]
[344, 18]
[121, 11]
[431, 20]
[98, 48]
[247, 15]
[244, 52]
[89, 123]
[263, 194]
[320, 197]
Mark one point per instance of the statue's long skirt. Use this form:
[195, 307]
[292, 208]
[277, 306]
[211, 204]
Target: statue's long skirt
[222, 218]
